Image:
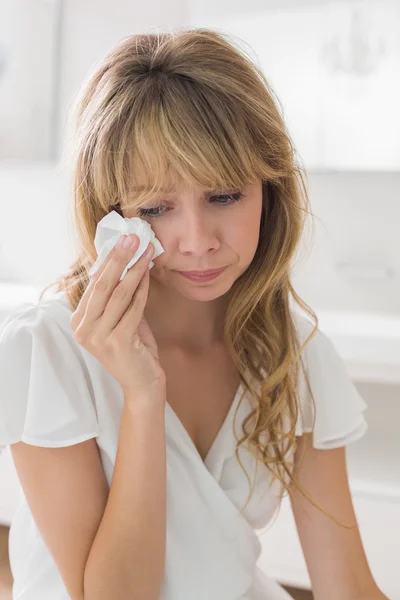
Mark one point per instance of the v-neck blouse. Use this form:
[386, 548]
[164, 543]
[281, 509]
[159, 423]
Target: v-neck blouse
[54, 393]
[211, 460]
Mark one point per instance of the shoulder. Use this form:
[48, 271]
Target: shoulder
[43, 328]
[45, 394]
[332, 407]
[305, 327]
[33, 317]
[319, 354]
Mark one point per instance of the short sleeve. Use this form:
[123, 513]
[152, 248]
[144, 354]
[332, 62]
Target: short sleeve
[45, 399]
[339, 407]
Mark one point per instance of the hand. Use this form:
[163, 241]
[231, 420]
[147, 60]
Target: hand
[109, 322]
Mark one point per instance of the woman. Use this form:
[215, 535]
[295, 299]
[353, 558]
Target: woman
[156, 421]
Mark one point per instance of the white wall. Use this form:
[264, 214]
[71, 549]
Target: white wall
[360, 212]
[27, 36]
[357, 223]
[33, 198]
[204, 9]
[35, 242]
[92, 27]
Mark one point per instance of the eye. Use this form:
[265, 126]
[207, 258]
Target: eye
[147, 212]
[235, 197]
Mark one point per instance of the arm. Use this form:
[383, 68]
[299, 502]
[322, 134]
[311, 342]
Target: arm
[107, 542]
[335, 556]
[128, 554]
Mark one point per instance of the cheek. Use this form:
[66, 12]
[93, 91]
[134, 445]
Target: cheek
[161, 260]
[244, 237]
[246, 242]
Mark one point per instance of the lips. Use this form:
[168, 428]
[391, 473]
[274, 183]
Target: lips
[202, 273]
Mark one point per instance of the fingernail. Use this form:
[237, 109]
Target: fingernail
[119, 243]
[128, 242]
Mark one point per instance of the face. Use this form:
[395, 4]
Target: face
[202, 232]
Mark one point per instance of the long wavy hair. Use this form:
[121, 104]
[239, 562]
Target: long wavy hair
[192, 106]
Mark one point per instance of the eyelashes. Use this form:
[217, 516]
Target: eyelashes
[148, 212]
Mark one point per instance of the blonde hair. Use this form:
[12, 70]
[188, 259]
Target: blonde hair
[191, 107]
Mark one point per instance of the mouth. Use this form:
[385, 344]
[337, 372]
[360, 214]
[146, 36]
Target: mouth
[203, 273]
[202, 276]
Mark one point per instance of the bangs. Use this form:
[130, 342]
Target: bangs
[185, 133]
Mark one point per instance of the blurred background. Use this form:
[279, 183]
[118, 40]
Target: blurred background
[335, 67]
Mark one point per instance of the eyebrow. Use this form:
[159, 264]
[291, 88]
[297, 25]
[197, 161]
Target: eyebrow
[140, 188]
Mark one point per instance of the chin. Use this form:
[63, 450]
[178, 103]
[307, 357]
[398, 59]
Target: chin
[204, 293]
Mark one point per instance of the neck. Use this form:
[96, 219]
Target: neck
[180, 322]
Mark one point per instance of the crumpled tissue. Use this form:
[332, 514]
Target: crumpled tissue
[110, 229]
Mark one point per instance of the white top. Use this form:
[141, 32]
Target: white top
[54, 393]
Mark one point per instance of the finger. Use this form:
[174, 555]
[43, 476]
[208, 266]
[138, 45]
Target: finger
[130, 320]
[122, 295]
[112, 268]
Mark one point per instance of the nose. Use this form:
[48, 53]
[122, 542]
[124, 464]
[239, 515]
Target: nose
[199, 234]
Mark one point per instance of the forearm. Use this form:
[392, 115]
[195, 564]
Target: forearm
[127, 557]
[377, 595]
[374, 594]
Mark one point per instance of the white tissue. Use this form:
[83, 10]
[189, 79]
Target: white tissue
[110, 229]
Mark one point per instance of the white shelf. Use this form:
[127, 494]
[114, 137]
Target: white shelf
[374, 464]
[282, 557]
[373, 460]
[369, 343]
